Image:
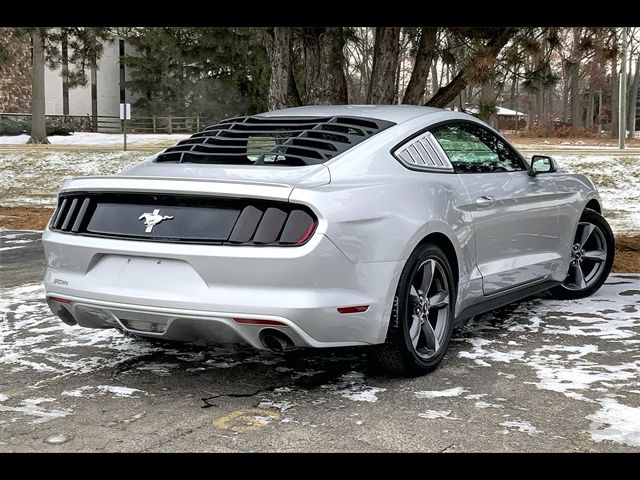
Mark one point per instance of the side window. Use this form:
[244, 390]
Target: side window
[473, 149]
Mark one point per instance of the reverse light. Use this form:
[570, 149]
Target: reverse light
[356, 309]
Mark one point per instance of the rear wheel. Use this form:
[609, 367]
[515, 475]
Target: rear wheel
[591, 258]
[422, 318]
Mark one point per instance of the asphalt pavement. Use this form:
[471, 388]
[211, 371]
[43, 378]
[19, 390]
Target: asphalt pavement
[540, 375]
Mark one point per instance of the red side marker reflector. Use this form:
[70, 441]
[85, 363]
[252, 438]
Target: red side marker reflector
[258, 321]
[358, 309]
[59, 300]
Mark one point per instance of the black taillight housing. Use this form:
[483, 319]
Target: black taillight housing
[194, 219]
[273, 225]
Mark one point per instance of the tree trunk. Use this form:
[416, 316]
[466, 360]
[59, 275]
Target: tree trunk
[576, 98]
[514, 82]
[565, 94]
[487, 110]
[385, 62]
[38, 119]
[94, 95]
[65, 74]
[633, 99]
[396, 80]
[449, 92]
[549, 107]
[540, 103]
[325, 83]
[590, 107]
[599, 112]
[615, 95]
[279, 50]
[420, 74]
[435, 84]
[531, 112]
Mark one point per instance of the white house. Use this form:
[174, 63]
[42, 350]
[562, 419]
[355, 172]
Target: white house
[109, 90]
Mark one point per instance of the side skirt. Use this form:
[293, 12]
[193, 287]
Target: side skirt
[502, 299]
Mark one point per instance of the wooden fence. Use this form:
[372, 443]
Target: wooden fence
[109, 124]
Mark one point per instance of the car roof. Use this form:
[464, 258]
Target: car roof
[392, 113]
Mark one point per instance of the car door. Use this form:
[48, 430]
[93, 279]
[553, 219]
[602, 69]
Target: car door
[515, 215]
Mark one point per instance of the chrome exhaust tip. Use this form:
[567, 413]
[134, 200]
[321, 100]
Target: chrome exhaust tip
[276, 341]
[65, 315]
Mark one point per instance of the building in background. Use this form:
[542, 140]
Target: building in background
[101, 95]
[507, 119]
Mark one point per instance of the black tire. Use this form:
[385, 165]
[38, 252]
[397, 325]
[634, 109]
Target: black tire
[564, 292]
[397, 355]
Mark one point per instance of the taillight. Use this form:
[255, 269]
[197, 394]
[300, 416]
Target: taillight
[273, 226]
[195, 219]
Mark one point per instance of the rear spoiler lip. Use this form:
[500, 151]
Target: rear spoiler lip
[178, 185]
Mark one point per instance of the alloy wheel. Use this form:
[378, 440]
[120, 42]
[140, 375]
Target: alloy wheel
[587, 257]
[428, 308]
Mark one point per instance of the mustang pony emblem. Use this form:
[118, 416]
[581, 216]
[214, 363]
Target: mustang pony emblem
[152, 219]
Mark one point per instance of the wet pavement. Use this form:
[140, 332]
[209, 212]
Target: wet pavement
[541, 375]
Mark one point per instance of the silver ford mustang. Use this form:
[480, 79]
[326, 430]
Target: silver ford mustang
[324, 227]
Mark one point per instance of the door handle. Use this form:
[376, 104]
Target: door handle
[485, 201]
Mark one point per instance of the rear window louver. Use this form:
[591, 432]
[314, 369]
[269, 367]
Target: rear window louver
[292, 141]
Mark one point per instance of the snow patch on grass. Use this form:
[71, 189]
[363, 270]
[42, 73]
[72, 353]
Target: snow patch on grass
[100, 139]
[618, 182]
[33, 177]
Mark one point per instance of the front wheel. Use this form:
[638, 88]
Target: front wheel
[590, 258]
[422, 318]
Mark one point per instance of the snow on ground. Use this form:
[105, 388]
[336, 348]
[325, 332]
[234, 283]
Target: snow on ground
[586, 350]
[450, 392]
[618, 182]
[33, 177]
[521, 425]
[100, 139]
[581, 354]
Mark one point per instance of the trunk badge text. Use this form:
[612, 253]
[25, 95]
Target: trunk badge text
[152, 219]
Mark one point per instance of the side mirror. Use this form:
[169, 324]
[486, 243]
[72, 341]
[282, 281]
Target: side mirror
[543, 164]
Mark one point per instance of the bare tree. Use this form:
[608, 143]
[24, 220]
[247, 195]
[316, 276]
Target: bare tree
[574, 76]
[385, 64]
[280, 82]
[633, 97]
[325, 82]
[484, 58]
[38, 119]
[420, 74]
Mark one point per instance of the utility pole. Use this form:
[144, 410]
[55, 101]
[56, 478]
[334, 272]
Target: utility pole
[622, 104]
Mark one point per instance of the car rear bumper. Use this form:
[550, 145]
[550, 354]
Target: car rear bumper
[199, 292]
